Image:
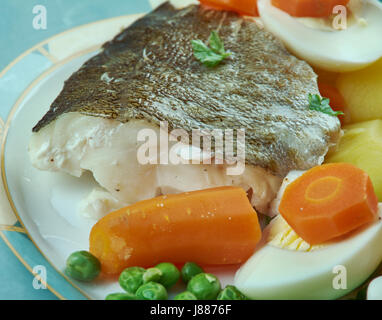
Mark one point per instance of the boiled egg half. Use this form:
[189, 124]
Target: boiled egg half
[340, 43]
[286, 267]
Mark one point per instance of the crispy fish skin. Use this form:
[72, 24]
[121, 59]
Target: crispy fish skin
[148, 72]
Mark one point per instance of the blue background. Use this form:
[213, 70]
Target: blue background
[17, 33]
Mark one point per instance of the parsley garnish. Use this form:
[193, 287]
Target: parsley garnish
[211, 55]
[322, 105]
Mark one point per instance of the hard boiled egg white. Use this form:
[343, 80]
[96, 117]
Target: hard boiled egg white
[335, 50]
[374, 290]
[286, 267]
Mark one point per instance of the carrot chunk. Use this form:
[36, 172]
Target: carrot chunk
[210, 227]
[329, 201]
[245, 7]
[309, 8]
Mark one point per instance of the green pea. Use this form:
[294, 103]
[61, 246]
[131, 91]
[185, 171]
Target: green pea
[186, 295]
[152, 291]
[83, 266]
[121, 296]
[204, 286]
[231, 293]
[189, 270]
[170, 274]
[131, 279]
[152, 274]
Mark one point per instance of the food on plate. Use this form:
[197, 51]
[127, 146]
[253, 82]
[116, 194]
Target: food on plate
[97, 203]
[201, 285]
[286, 267]
[121, 296]
[282, 235]
[131, 279]
[322, 105]
[205, 286]
[189, 270]
[329, 201]
[362, 92]
[245, 7]
[211, 227]
[83, 266]
[186, 295]
[361, 146]
[152, 291]
[152, 275]
[148, 74]
[326, 42]
[231, 293]
[211, 54]
[201, 67]
[309, 275]
[170, 274]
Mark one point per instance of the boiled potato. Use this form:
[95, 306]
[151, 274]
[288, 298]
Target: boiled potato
[361, 145]
[362, 91]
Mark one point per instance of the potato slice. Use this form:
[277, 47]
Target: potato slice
[362, 92]
[361, 146]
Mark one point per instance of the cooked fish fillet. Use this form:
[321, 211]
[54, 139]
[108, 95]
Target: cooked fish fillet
[148, 74]
[75, 143]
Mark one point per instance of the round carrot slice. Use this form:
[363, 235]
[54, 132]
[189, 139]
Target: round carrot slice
[329, 201]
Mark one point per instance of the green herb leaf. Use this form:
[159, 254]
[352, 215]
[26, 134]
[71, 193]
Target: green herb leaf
[216, 43]
[205, 55]
[322, 105]
[213, 55]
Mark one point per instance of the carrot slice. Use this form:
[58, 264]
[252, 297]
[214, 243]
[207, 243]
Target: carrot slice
[210, 227]
[329, 201]
[245, 7]
[309, 8]
[337, 102]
